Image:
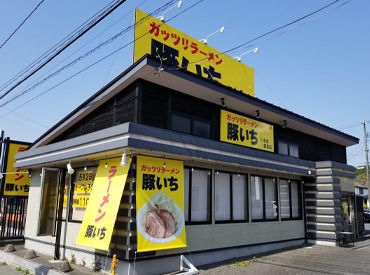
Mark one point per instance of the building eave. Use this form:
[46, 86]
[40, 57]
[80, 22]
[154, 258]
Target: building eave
[147, 68]
[139, 139]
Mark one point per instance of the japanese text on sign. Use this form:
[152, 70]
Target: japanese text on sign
[159, 204]
[178, 49]
[81, 189]
[101, 212]
[17, 182]
[245, 131]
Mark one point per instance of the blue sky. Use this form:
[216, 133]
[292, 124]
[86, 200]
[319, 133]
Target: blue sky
[319, 69]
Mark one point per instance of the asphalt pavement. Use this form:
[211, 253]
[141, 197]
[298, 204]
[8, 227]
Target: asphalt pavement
[314, 259]
[11, 270]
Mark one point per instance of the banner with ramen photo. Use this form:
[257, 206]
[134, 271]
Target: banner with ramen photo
[159, 204]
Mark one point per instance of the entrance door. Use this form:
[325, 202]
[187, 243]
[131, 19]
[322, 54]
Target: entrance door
[49, 199]
[349, 219]
[51, 208]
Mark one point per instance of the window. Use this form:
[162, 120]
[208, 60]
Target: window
[239, 197]
[257, 198]
[50, 182]
[284, 199]
[295, 191]
[197, 195]
[222, 197]
[231, 203]
[271, 199]
[285, 148]
[181, 124]
[202, 129]
[186, 193]
[264, 198]
[80, 192]
[293, 150]
[190, 125]
[290, 199]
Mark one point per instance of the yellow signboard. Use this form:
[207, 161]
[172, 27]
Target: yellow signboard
[78, 201]
[101, 212]
[245, 131]
[82, 188]
[180, 50]
[159, 204]
[16, 181]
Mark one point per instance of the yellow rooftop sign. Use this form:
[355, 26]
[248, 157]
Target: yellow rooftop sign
[180, 50]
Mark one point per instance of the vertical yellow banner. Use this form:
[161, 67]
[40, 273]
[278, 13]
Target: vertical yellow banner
[17, 182]
[159, 204]
[101, 212]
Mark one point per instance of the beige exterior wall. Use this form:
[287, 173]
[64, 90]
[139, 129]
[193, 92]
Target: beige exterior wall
[216, 236]
[199, 237]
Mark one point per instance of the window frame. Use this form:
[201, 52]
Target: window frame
[192, 118]
[71, 193]
[289, 144]
[264, 199]
[59, 175]
[209, 221]
[300, 217]
[246, 194]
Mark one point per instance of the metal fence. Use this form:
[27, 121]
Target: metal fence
[13, 212]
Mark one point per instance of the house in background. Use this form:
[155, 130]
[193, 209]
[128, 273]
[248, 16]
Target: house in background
[239, 200]
[361, 187]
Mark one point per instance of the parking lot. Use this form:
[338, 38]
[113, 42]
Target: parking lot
[303, 260]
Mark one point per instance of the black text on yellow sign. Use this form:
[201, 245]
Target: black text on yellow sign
[103, 204]
[17, 181]
[245, 131]
[159, 204]
[178, 49]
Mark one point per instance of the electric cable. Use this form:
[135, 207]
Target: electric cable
[106, 42]
[93, 23]
[20, 25]
[88, 42]
[91, 65]
[59, 44]
[295, 26]
[245, 44]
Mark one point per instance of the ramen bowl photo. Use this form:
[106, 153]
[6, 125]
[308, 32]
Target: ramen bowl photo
[160, 220]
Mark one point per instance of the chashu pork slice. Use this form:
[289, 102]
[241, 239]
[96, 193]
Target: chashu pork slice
[154, 225]
[169, 221]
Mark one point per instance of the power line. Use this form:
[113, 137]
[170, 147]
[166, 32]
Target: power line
[88, 42]
[93, 64]
[295, 26]
[54, 48]
[246, 44]
[68, 43]
[88, 53]
[349, 125]
[355, 153]
[20, 25]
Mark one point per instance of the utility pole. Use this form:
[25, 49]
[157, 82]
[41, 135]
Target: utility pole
[367, 163]
[1, 157]
[1, 146]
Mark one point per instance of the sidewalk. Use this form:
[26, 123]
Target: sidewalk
[42, 264]
[307, 259]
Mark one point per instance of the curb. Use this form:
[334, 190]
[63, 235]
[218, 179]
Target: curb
[36, 268]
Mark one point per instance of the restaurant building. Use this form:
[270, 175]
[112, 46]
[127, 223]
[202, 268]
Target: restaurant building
[238, 200]
[252, 177]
